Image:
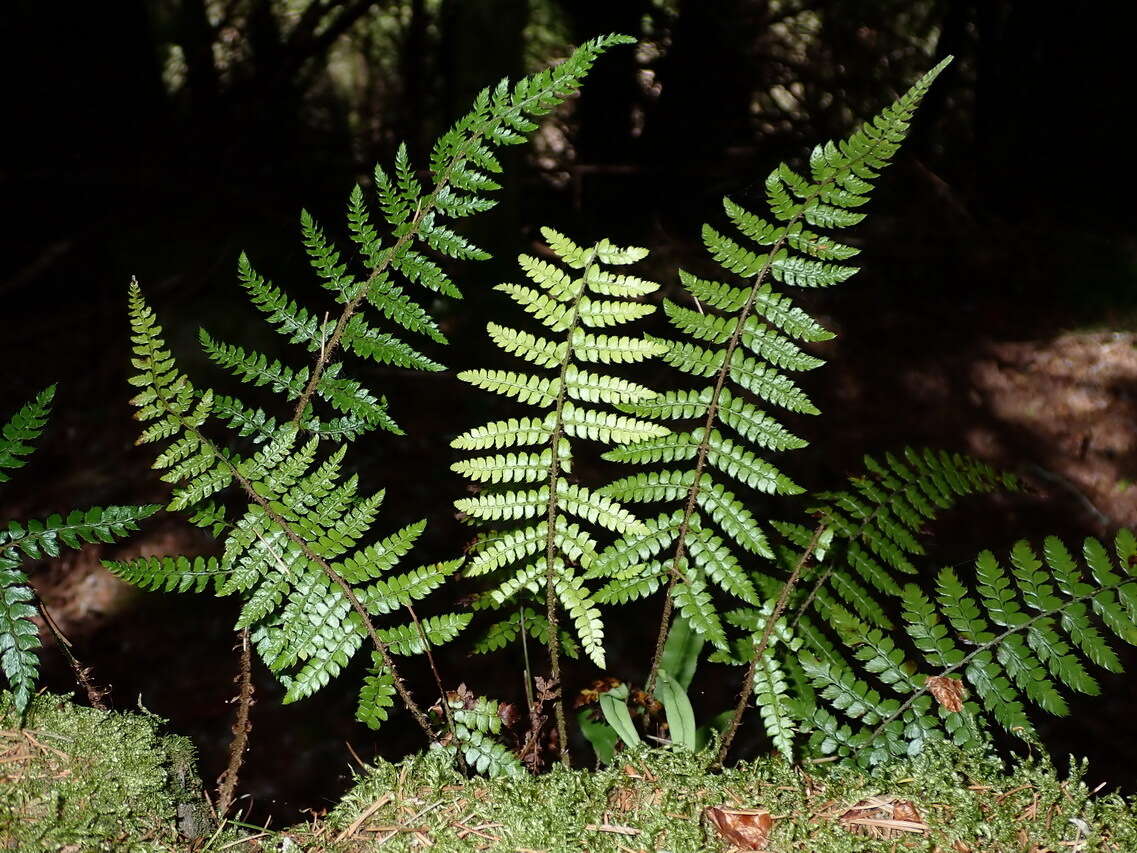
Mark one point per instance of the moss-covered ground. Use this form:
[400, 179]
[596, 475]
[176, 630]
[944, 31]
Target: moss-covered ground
[77, 780]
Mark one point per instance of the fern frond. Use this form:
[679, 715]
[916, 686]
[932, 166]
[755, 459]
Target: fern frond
[552, 546]
[746, 339]
[24, 427]
[1018, 636]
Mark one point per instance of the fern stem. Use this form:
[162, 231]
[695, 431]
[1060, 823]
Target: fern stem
[551, 534]
[525, 656]
[95, 695]
[763, 643]
[442, 696]
[227, 782]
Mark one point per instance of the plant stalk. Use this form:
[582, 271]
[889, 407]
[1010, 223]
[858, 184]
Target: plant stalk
[763, 643]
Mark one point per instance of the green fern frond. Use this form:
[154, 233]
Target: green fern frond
[1019, 635]
[24, 427]
[746, 339]
[563, 301]
[37, 539]
[397, 256]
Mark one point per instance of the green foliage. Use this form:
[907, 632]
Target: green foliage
[746, 341]
[37, 539]
[294, 554]
[293, 526]
[553, 548]
[476, 736]
[397, 257]
[1015, 635]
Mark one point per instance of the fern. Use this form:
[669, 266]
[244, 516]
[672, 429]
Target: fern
[295, 553]
[746, 340]
[36, 539]
[551, 548]
[310, 589]
[1019, 635]
[477, 727]
[397, 256]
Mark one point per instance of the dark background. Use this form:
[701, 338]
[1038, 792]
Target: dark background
[159, 138]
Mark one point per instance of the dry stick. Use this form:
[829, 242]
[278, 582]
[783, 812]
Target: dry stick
[95, 695]
[760, 649]
[227, 782]
[551, 523]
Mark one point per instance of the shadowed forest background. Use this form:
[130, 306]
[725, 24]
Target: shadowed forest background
[159, 138]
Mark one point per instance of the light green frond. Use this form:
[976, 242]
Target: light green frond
[501, 506]
[534, 390]
[672, 405]
[603, 313]
[676, 447]
[539, 351]
[600, 388]
[606, 427]
[507, 433]
[557, 316]
[615, 349]
[603, 283]
[596, 508]
[559, 284]
[507, 467]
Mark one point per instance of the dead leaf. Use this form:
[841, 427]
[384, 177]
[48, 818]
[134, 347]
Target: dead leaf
[883, 817]
[948, 691]
[747, 829]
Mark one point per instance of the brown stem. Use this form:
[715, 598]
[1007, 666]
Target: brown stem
[95, 695]
[227, 782]
[446, 712]
[760, 649]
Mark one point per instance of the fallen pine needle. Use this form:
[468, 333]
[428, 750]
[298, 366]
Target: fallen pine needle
[611, 827]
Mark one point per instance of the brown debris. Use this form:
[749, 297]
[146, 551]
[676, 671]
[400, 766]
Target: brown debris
[948, 691]
[883, 817]
[746, 829]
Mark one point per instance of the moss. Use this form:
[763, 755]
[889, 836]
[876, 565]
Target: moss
[655, 801]
[78, 779]
[81, 780]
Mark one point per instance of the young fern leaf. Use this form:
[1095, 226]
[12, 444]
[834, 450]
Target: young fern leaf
[397, 258]
[477, 729]
[1019, 635]
[745, 341]
[37, 539]
[550, 548]
[310, 589]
